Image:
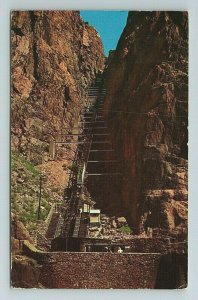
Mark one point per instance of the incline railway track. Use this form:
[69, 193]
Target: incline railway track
[93, 139]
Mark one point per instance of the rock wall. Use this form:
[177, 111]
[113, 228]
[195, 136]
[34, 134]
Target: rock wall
[147, 108]
[99, 270]
[25, 273]
[54, 57]
[19, 233]
[92, 270]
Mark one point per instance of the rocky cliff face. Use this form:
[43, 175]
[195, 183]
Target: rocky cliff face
[146, 107]
[55, 56]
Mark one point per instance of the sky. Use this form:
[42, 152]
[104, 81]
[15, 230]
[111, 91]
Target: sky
[109, 25]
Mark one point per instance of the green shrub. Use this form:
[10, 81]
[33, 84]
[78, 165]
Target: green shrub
[126, 229]
[19, 160]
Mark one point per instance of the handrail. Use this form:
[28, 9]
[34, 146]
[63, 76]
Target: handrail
[49, 216]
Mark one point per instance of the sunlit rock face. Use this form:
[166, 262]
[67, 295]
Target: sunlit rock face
[55, 57]
[147, 110]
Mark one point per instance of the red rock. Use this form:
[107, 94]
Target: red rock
[151, 82]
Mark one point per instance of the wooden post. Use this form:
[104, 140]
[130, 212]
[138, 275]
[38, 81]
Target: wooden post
[52, 148]
[40, 195]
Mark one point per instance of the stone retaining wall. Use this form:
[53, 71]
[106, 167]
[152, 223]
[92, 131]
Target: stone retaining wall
[108, 270]
[99, 270]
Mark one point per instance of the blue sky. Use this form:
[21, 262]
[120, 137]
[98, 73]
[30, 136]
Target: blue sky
[109, 25]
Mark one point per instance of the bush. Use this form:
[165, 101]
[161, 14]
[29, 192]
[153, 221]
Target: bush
[126, 229]
[18, 160]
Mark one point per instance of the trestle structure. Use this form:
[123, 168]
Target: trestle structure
[92, 139]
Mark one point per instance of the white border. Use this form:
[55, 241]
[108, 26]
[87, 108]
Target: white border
[5, 7]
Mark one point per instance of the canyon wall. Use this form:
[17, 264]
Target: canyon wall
[146, 108]
[55, 56]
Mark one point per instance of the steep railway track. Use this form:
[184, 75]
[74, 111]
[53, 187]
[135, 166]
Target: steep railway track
[93, 140]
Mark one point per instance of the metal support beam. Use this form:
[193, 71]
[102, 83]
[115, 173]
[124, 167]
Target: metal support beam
[88, 121]
[100, 134]
[96, 127]
[71, 128]
[102, 161]
[78, 142]
[107, 150]
[80, 134]
[73, 134]
[68, 143]
[104, 174]
[101, 142]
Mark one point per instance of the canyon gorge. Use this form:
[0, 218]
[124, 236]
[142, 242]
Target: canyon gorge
[56, 58]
